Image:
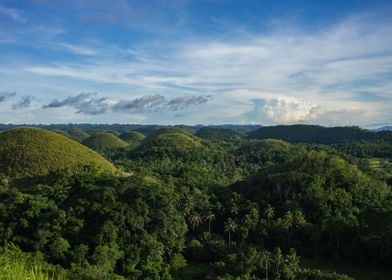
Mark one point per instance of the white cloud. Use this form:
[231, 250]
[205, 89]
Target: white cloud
[78, 49]
[289, 110]
[14, 14]
[301, 77]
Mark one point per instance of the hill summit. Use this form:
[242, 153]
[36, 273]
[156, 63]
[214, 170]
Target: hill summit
[104, 140]
[35, 152]
[175, 138]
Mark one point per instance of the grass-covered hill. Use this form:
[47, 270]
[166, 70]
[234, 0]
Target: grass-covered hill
[104, 140]
[215, 133]
[35, 152]
[172, 138]
[78, 134]
[318, 134]
[60, 131]
[131, 136]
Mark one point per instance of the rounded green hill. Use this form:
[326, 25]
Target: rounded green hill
[35, 152]
[103, 141]
[266, 150]
[171, 138]
[216, 133]
[131, 136]
[78, 134]
[271, 144]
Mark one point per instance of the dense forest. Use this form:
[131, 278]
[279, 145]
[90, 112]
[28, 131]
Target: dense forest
[222, 202]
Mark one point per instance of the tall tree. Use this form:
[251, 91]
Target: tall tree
[230, 227]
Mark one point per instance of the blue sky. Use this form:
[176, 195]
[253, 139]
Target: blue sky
[196, 61]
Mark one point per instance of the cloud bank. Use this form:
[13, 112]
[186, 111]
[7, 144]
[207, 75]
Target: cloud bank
[91, 104]
[85, 103]
[339, 74]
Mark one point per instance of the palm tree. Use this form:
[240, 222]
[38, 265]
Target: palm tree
[189, 206]
[195, 220]
[286, 224]
[234, 209]
[279, 259]
[230, 226]
[267, 259]
[210, 217]
[269, 212]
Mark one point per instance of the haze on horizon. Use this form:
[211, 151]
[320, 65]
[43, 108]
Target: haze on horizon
[196, 61]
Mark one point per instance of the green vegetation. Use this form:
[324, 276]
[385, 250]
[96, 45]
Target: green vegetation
[62, 132]
[96, 226]
[16, 265]
[214, 133]
[319, 134]
[131, 136]
[78, 134]
[171, 138]
[102, 141]
[35, 152]
[192, 208]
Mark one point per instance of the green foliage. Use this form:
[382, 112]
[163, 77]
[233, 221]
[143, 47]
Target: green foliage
[16, 265]
[323, 199]
[78, 134]
[256, 153]
[171, 138]
[220, 134]
[131, 136]
[318, 134]
[191, 208]
[96, 224]
[36, 152]
[102, 141]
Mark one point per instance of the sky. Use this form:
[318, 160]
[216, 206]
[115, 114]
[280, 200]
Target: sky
[268, 62]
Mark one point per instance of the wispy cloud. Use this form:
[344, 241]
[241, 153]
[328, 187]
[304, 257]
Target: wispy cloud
[24, 102]
[183, 102]
[4, 95]
[90, 104]
[14, 14]
[85, 103]
[283, 76]
[142, 104]
[81, 50]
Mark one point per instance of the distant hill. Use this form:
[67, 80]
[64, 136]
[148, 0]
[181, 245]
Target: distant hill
[62, 132]
[238, 127]
[176, 138]
[290, 133]
[36, 152]
[318, 134]
[131, 136]
[120, 128]
[78, 134]
[104, 140]
[215, 133]
[263, 151]
[384, 128]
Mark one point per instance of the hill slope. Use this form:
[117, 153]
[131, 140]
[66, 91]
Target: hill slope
[34, 152]
[132, 136]
[104, 140]
[78, 134]
[175, 138]
[318, 134]
[215, 133]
